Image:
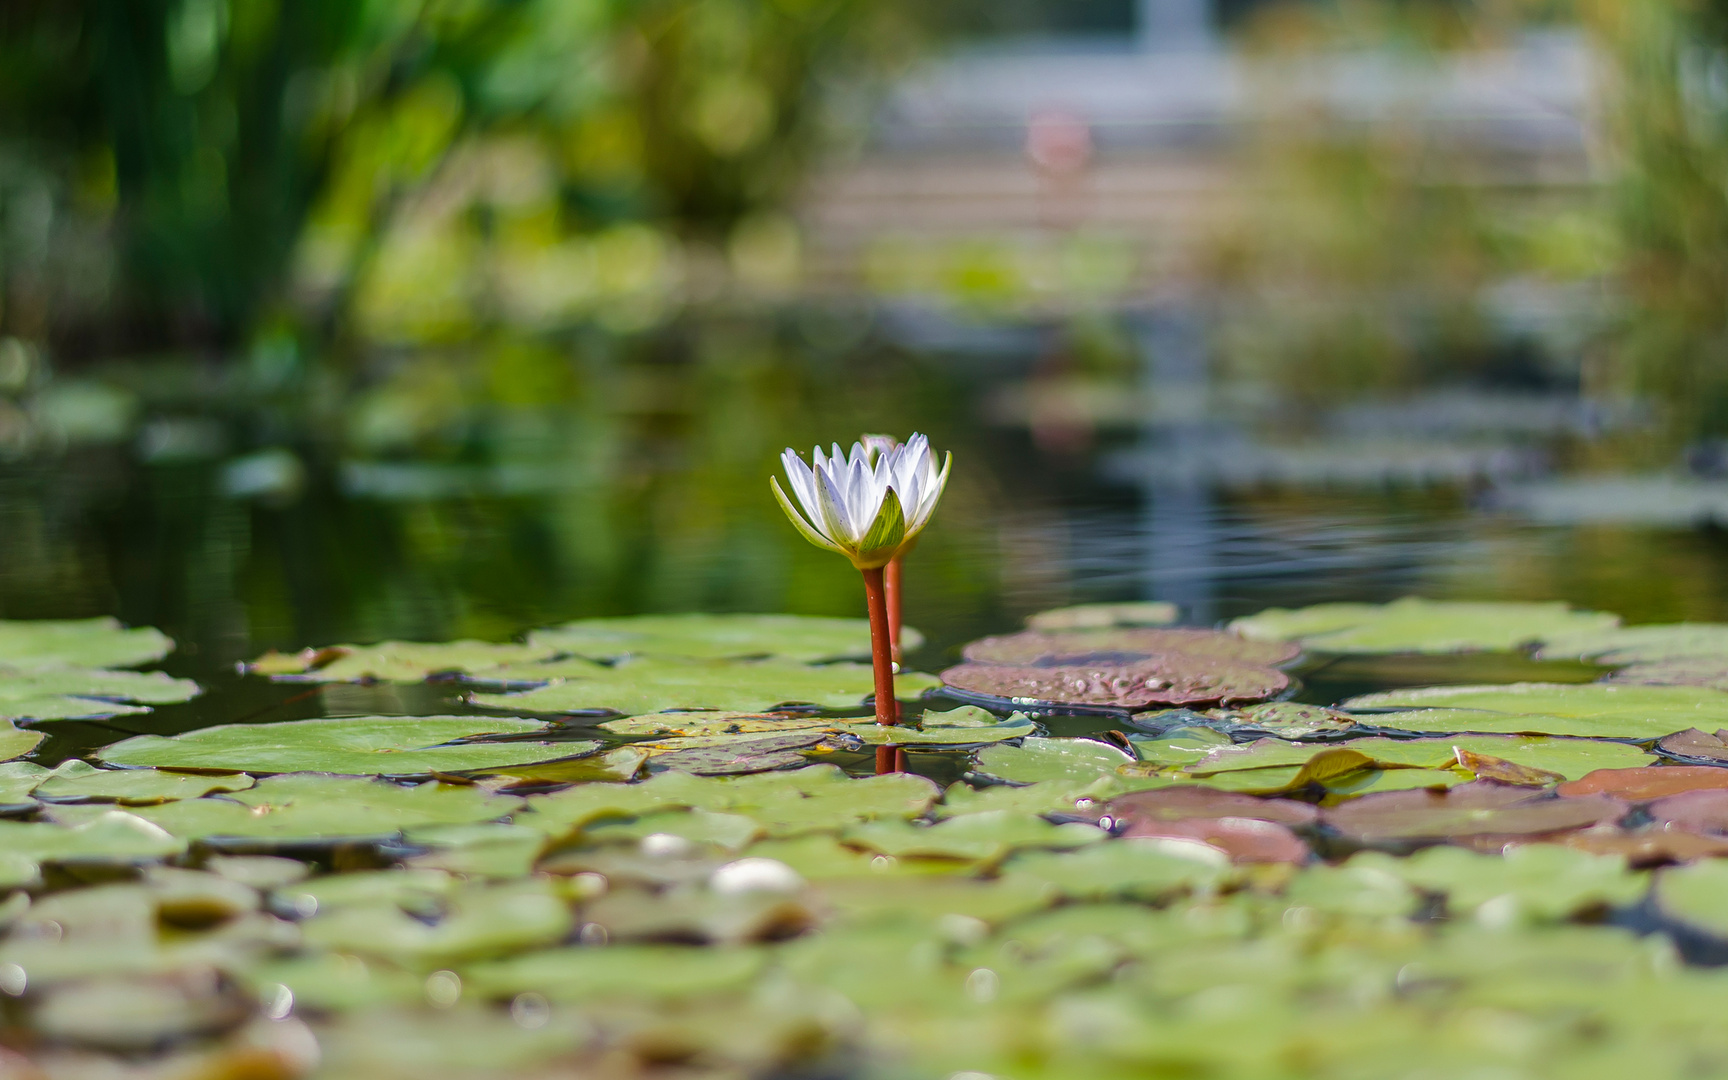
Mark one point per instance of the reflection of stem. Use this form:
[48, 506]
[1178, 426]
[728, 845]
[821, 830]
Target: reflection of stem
[881, 660]
[891, 581]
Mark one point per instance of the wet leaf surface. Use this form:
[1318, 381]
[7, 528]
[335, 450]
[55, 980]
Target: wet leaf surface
[1697, 745]
[1243, 839]
[1039, 759]
[1529, 881]
[1191, 803]
[1478, 809]
[1567, 758]
[1145, 869]
[1421, 626]
[359, 746]
[792, 637]
[1103, 616]
[1288, 720]
[717, 723]
[1700, 811]
[655, 684]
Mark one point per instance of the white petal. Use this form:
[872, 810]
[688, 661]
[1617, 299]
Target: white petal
[836, 519]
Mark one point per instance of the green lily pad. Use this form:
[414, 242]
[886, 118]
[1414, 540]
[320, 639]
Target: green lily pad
[1048, 797]
[1177, 747]
[356, 746]
[486, 849]
[79, 643]
[18, 779]
[655, 684]
[420, 890]
[397, 661]
[1104, 616]
[1421, 626]
[80, 694]
[1697, 895]
[81, 780]
[108, 836]
[15, 743]
[1571, 758]
[1640, 644]
[397, 1043]
[1050, 759]
[476, 922]
[1706, 671]
[791, 637]
[705, 828]
[1367, 886]
[1541, 881]
[966, 725]
[1287, 719]
[1477, 809]
[1599, 709]
[630, 972]
[312, 809]
[712, 723]
[733, 755]
[983, 836]
[340, 982]
[1144, 869]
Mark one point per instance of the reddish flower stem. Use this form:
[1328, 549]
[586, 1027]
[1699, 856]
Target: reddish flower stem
[882, 661]
[891, 579]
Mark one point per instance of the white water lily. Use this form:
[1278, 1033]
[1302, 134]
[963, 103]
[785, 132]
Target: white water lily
[869, 506]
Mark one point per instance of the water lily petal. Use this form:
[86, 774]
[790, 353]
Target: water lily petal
[810, 532]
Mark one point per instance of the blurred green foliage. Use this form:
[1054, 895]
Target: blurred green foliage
[224, 165]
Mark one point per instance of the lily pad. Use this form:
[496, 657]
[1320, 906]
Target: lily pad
[1421, 626]
[79, 643]
[476, 922]
[357, 746]
[982, 836]
[728, 755]
[967, 725]
[1567, 757]
[1479, 809]
[1640, 644]
[1702, 811]
[792, 637]
[108, 836]
[1050, 759]
[1642, 784]
[83, 781]
[1138, 869]
[1191, 803]
[1542, 881]
[1172, 679]
[628, 972]
[712, 723]
[1696, 745]
[1177, 747]
[704, 828]
[15, 743]
[312, 809]
[656, 684]
[397, 661]
[1287, 719]
[82, 694]
[1591, 709]
[1696, 895]
[1122, 646]
[486, 849]
[1711, 672]
[1102, 616]
[17, 780]
[1245, 840]
[1049, 797]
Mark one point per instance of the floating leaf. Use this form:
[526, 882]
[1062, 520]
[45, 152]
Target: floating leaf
[1190, 803]
[395, 1043]
[1599, 709]
[1484, 767]
[1102, 616]
[714, 723]
[967, 725]
[78, 694]
[1123, 646]
[1421, 626]
[397, 661]
[356, 746]
[1696, 745]
[1648, 848]
[1541, 881]
[1567, 757]
[655, 684]
[107, 836]
[15, 743]
[1367, 886]
[1173, 679]
[1640, 644]
[728, 755]
[1696, 895]
[792, 637]
[485, 849]
[419, 890]
[1049, 797]
[1138, 869]
[1178, 747]
[1652, 782]
[983, 836]
[1699, 811]
[476, 922]
[1050, 759]
[311, 809]
[629, 972]
[701, 827]
[79, 643]
[17, 780]
[1479, 809]
[621, 763]
[1245, 840]
[1287, 719]
[80, 780]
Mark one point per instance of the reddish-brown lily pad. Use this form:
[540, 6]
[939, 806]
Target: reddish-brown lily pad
[1704, 812]
[1174, 679]
[1084, 648]
[1649, 782]
[1693, 743]
[1245, 840]
[1188, 803]
[1648, 848]
[1475, 809]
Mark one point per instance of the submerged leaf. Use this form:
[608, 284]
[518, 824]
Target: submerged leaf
[792, 637]
[356, 746]
[1101, 616]
[655, 684]
[1421, 626]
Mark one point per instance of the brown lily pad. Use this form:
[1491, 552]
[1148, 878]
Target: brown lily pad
[1486, 767]
[1175, 679]
[1693, 743]
[1704, 812]
[1189, 803]
[1245, 840]
[1647, 848]
[1482, 808]
[1082, 648]
[1649, 782]
[739, 756]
